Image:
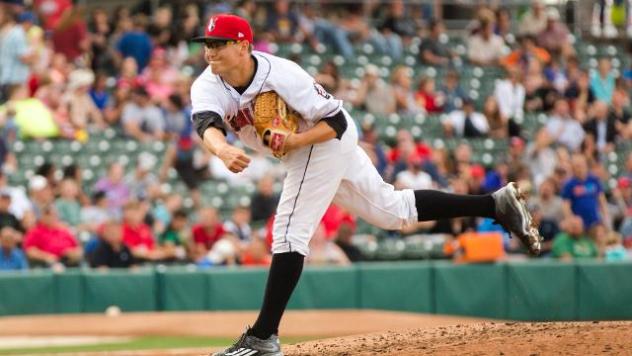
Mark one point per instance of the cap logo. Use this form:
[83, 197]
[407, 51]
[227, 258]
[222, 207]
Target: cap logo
[211, 24]
[240, 35]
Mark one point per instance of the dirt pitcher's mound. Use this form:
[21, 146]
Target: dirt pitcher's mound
[296, 323]
[488, 338]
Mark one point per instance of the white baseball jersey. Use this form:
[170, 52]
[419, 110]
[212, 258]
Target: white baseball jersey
[337, 170]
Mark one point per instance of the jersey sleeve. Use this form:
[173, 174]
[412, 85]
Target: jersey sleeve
[301, 92]
[202, 99]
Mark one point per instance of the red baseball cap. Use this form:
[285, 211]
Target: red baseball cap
[477, 171]
[226, 27]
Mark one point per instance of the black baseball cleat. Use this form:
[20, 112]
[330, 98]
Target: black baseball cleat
[512, 214]
[248, 345]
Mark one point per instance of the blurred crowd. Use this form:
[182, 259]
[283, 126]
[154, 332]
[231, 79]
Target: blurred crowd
[68, 72]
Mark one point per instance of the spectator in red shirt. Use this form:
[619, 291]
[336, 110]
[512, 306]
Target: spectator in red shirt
[50, 242]
[137, 235]
[427, 96]
[406, 145]
[334, 217]
[331, 222]
[206, 232]
[406, 149]
[50, 11]
[70, 37]
[128, 74]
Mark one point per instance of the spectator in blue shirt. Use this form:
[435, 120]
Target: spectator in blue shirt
[282, 22]
[451, 92]
[99, 92]
[602, 82]
[583, 195]
[14, 52]
[136, 43]
[496, 178]
[11, 257]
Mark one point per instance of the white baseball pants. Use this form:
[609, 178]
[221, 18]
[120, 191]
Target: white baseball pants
[338, 171]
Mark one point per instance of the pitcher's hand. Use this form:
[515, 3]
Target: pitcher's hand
[234, 158]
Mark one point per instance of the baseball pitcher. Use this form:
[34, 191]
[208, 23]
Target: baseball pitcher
[275, 106]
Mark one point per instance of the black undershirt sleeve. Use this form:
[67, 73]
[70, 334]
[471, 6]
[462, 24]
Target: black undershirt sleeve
[205, 119]
[338, 122]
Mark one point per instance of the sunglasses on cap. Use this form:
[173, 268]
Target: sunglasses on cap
[217, 44]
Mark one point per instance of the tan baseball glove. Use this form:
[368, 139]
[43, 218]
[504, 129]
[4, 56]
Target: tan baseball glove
[274, 121]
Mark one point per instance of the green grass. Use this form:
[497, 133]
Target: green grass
[142, 343]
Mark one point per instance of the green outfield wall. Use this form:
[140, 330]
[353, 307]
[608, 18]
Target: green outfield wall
[542, 290]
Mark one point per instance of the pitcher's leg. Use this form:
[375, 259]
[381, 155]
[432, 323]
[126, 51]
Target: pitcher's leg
[308, 189]
[313, 176]
[364, 193]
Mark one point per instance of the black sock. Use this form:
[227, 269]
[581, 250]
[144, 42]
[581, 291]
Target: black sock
[437, 205]
[285, 272]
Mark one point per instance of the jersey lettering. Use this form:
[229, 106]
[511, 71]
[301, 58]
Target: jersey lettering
[321, 91]
[243, 118]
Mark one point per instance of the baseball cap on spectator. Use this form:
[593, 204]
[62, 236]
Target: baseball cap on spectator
[226, 27]
[27, 16]
[37, 183]
[624, 182]
[80, 78]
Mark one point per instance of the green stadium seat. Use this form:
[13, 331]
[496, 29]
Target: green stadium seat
[367, 244]
[417, 247]
[390, 249]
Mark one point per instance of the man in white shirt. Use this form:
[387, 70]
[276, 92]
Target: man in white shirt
[534, 20]
[510, 95]
[485, 48]
[466, 122]
[413, 177]
[540, 158]
[20, 203]
[562, 128]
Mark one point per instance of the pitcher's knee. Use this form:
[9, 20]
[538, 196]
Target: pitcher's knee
[290, 245]
[394, 213]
